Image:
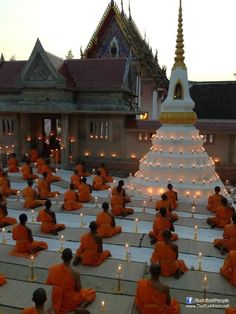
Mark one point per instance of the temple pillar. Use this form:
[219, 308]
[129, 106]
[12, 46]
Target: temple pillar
[65, 152]
[154, 102]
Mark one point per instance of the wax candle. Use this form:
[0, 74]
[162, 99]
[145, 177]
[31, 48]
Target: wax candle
[195, 232]
[199, 261]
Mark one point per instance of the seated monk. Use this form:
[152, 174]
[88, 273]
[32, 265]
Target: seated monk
[4, 220]
[24, 240]
[67, 292]
[44, 188]
[85, 191]
[118, 204]
[39, 164]
[50, 177]
[75, 179]
[120, 185]
[13, 163]
[91, 251]
[228, 243]
[2, 280]
[166, 254]
[33, 154]
[5, 185]
[214, 200]
[165, 203]
[27, 171]
[48, 220]
[39, 298]
[172, 196]
[161, 223]
[71, 199]
[228, 270]
[80, 167]
[153, 297]
[230, 310]
[104, 173]
[98, 183]
[3, 200]
[30, 195]
[106, 223]
[223, 215]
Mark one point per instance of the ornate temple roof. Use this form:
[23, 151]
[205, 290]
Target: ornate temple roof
[141, 50]
[9, 72]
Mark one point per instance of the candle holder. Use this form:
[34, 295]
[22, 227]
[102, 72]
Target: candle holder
[199, 261]
[93, 170]
[57, 198]
[119, 273]
[126, 251]
[195, 232]
[61, 240]
[81, 220]
[205, 285]
[103, 308]
[136, 222]
[32, 216]
[150, 197]
[109, 193]
[96, 201]
[144, 206]
[32, 277]
[18, 196]
[193, 211]
[4, 238]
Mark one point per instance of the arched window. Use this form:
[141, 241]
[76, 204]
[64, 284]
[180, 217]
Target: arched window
[114, 48]
[178, 94]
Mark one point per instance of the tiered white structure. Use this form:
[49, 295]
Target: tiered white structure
[177, 155]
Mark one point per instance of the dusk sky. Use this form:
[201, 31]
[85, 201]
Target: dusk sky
[209, 28]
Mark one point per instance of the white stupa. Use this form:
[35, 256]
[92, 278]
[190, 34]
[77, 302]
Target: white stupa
[177, 155]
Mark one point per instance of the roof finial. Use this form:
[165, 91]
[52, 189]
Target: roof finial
[112, 3]
[122, 8]
[179, 51]
[2, 58]
[130, 17]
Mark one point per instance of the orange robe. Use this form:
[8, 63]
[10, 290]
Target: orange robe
[33, 155]
[5, 220]
[230, 310]
[229, 238]
[118, 207]
[126, 198]
[105, 229]
[65, 297]
[81, 171]
[104, 175]
[71, 200]
[50, 177]
[30, 196]
[88, 251]
[223, 216]
[98, 184]
[214, 201]
[44, 190]
[85, 193]
[13, 165]
[5, 186]
[229, 268]
[2, 280]
[27, 173]
[167, 205]
[172, 197]
[150, 301]
[30, 310]
[165, 255]
[161, 224]
[39, 164]
[47, 222]
[24, 241]
[76, 181]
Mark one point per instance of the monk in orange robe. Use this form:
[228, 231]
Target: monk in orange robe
[24, 240]
[228, 270]
[91, 251]
[223, 215]
[39, 164]
[165, 203]
[153, 297]
[161, 223]
[214, 200]
[50, 177]
[33, 154]
[98, 183]
[27, 171]
[5, 185]
[104, 173]
[2, 280]
[39, 298]
[106, 223]
[228, 243]
[3, 200]
[166, 254]
[67, 293]
[75, 179]
[230, 310]
[172, 196]
[85, 191]
[44, 188]
[13, 165]
[30, 195]
[71, 199]
[119, 189]
[118, 204]
[4, 220]
[48, 220]
[80, 167]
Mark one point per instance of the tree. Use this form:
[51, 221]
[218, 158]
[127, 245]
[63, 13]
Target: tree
[69, 55]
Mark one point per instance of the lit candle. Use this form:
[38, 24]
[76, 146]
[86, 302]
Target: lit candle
[195, 232]
[136, 221]
[181, 165]
[156, 179]
[18, 196]
[170, 151]
[172, 138]
[181, 138]
[158, 165]
[204, 181]
[93, 171]
[144, 206]
[81, 219]
[194, 181]
[61, 239]
[57, 198]
[4, 239]
[205, 285]
[227, 182]
[193, 211]
[160, 150]
[187, 193]
[32, 216]
[150, 196]
[180, 180]
[146, 178]
[130, 174]
[103, 307]
[32, 277]
[181, 152]
[199, 261]
[170, 165]
[126, 251]
[96, 201]
[192, 151]
[139, 191]
[194, 166]
[119, 272]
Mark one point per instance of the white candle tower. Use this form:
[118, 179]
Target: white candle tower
[32, 276]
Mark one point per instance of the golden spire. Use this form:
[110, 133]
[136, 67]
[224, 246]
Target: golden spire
[179, 52]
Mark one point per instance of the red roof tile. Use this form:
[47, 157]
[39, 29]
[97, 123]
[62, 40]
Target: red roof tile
[9, 72]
